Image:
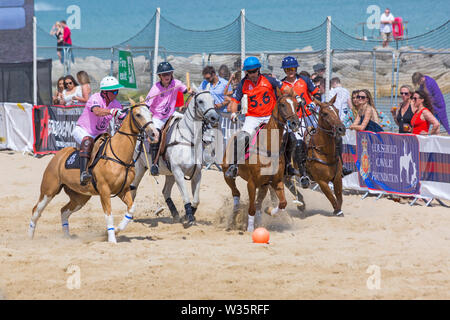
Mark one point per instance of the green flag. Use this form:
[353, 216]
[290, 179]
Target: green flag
[127, 77]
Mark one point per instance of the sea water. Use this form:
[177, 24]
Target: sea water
[105, 23]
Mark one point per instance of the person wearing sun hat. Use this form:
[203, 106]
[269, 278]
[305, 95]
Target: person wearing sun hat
[94, 121]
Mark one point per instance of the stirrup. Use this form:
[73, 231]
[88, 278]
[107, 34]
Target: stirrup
[231, 171]
[85, 178]
[305, 182]
[154, 170]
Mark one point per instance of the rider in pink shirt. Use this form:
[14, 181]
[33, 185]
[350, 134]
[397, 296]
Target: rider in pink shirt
[161, 101]
[98, 112]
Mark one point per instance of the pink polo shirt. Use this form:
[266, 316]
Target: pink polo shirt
[90, 122]
[162, 105]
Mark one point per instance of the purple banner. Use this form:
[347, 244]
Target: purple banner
[388, 162]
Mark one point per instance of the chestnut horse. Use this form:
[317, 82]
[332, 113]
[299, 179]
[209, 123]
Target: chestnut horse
[323, 164]
[113, 174]
[265, 167]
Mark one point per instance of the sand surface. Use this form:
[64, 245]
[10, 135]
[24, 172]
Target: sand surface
[311, 255]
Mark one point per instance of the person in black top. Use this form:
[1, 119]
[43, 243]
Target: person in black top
[405, 111]
[58, 32]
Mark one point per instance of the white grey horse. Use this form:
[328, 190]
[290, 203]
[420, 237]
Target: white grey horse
[183, 154]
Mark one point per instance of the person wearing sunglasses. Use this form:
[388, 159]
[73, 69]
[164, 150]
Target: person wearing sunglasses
[216, 85]
[423, 117]
[367, 118]
[161, 100]
[261, 98]
[71, 91]
[404, 112]
[94, 121]
[305, 89]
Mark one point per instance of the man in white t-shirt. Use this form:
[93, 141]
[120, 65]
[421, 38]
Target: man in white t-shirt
[343, 101]
[386, 21]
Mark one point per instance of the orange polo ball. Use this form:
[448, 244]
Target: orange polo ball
[260, 235]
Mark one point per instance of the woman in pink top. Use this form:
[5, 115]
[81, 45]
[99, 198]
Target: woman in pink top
[161, 101]
[98, 112]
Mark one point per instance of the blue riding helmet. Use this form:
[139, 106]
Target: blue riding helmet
[289, 62]
[251, 63]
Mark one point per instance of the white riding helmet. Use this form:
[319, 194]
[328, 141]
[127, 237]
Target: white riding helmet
[110, 83]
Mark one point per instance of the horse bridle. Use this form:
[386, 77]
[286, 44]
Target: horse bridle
[140, 137]
[141, 132]
[287, 121]
[331, 132]
[197, 113]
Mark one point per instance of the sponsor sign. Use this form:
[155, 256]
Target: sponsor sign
[53, 126]
[388, 162]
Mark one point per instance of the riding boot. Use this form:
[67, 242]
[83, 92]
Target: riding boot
[290, 148]
[154, 169]
[85, 154]
[339, 149]
[241, 143]
[300, 159]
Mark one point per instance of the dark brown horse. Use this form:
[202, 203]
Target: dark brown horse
[323, 163]
[266, 166]
[113, 174]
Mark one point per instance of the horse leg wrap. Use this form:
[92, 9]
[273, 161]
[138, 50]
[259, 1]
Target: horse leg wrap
[172, 208]
[110, 228]
[258, 218]
[189, 212]
[126, 219]
[251, 223]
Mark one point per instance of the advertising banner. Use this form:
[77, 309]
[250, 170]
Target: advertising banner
[388, 162]
[17, 126]
[53, 126]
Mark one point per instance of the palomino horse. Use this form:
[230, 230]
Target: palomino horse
[113, 174]
[183, 155]
[261, 170]
[322, 163]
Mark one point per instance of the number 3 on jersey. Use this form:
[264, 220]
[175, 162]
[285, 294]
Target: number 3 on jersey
[254, 102]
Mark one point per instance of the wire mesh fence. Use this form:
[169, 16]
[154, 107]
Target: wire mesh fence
[357, 62]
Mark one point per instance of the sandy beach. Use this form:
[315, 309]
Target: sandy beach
[311, 254]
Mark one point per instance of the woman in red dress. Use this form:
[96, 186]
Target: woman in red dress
[423, 117]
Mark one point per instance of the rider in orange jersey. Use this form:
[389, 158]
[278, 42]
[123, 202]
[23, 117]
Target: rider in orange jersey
[261, 94]
[304, 88]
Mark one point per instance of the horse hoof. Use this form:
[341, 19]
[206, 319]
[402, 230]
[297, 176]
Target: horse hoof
[176, 218]
[159, 210]
[190, 220]
[268, 211]
[338, 213]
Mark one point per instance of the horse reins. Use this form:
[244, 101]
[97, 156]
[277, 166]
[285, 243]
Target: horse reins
[140, 137]
[330, 132]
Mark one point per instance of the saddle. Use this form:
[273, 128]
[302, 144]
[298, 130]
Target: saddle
[73, 160]
[166, 133]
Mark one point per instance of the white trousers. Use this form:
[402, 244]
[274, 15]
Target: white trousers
[79, 133]
[251, 123]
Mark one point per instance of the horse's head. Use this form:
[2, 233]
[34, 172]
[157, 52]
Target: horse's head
[202, 107]
[141, 120]
[329, 117]
[285, 109]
